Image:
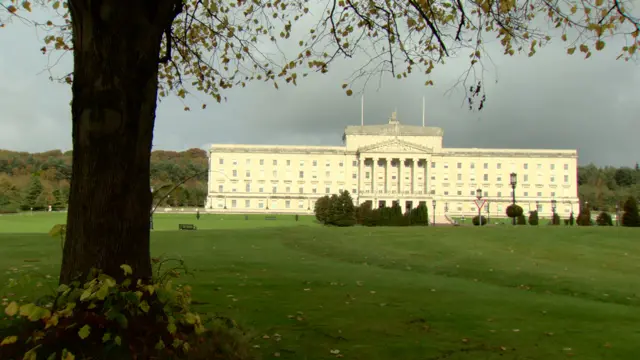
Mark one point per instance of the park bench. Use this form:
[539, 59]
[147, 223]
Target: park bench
[269, 217]
[187, 227]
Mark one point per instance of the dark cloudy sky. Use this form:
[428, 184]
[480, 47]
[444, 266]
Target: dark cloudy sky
[548, 101]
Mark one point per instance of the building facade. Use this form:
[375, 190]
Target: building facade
[388, 163]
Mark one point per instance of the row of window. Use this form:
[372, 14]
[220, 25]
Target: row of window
[485, 177]
[499, 166]
[273, 204]
[275, 162]
[289, 174]
[274, 189]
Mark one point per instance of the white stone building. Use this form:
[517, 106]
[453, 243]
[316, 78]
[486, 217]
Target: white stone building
[387, 163]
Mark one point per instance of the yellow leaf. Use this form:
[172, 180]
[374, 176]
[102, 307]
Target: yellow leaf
[127, 269]
[599, 2]
[11, 309]
[564, 37]
[84, 332]
[144, 306]
[570, 51]
[27, 6]
[9, 340]
[12, 9]
[584, 48]
[31, 354]
[349, 92]
[67, 355]
[56, 4]
[118, 340]
[599, 45]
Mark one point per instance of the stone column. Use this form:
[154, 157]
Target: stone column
[374, 163]
[400, 183]
[414, 165]
[387, 173]
[426, 176]
[361, 172]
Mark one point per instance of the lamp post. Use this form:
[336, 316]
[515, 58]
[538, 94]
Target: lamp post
[433, 204]
[479, 197]
[446, 207]
[488, 215]
[513, 177]
[553, 211]
[537, 206]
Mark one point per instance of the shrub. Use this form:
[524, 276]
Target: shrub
[321, 209]
[514, 211]
[571, 219]
[604, 219]
[521, 220]
[584, 217]
[104, 319]
[555, 219]
[533, 218]
[342, 210]
[479, 220]
[630, 217]
[419, 216]
[363, 212]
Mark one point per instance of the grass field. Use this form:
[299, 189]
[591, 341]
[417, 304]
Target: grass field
[392, 293]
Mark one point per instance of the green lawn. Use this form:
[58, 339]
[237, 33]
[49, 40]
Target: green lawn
[393, 293]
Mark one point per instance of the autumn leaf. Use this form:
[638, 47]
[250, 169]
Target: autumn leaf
[11, 309]
[84, 332]
[349, 92]
[571, 50]
[127, 269]
[9, 340]
[12, 9]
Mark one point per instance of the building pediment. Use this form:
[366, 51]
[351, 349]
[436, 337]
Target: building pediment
[395, 146]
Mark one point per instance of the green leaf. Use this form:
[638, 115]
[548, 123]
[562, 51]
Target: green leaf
[106, 337]
[190, 318]
[102, 293]
[144, 306]
[118, 340]
[127, 269]
[159, 345]
[84, 332]
[171, 328]
[57, 230]
[11, 309]
[62, 288]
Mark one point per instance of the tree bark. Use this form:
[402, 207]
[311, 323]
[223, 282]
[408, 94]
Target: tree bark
[116, 46]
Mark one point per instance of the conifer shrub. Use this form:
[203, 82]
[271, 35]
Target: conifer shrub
[479, 220]
[513, 211]
[604, 219]
[521, 220]
[533, 218]
[584, 217]
[630, 217]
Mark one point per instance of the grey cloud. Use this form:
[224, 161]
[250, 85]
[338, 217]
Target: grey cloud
[548, 101]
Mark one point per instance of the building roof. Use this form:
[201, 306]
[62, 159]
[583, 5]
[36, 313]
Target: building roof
[393, 128]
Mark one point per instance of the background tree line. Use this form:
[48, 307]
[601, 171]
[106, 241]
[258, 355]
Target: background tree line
[37, 180]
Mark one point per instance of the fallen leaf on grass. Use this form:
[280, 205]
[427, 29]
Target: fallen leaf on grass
[465, 340]
[516, 330]
[276, 354]
[307, 289]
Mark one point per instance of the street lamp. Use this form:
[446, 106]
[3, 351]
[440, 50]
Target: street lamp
[553, 210]
[513, 177]
[479, 197]
[433, 204]
[446, 207]
[537, 206]
[488, 215]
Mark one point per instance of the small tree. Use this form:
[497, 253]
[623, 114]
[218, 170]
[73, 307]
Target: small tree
[321, 209]
[572, 220]
[521, 220]
[343, 210]
[420, 215]
[604, 219]
[479, 220]
[32, 198]
[555, 220]
[584, 217]
[630, 218]
[533, 218]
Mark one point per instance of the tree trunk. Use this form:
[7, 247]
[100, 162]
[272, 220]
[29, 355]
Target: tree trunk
[116, 53]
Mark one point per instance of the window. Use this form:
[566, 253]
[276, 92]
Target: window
[498, 166]
[274, 204]
[247, 187]
[261, 189]
[526, 166]
[248, 173]
[235, 162]
[301, 190]
[341, 164]
[234, 190]
[367, 175]
[459, 165]
[327, 190]
[354, 191]
[539, 194]
[526, 178]
[499, 194]
[459, 177]
[553, 179]
[300, 204]
[328, 164]
[472, 193]
[287, 204]
[247, 203]
[248, 161]
[274, 189]
[327, 174]
[539, 166]
[499, 178]
[446, 193]
[526, 193]
[553, 194]
[221, 161]
[260, 205]
[354, 176]
[234, 172]
[553, 166]
[566, 166]
[315, 163]
[288, 189]
[220, 188]
[472, 165]
[275, 162]
[486, 165]
[433, 165]
[261, 161]
[288, 162]
[301, 175]
[566, 178]
[446, 165]
[301, 162]
[459, 192]
[275, 173]
[233, 203]
[314, 190]
[485, 177]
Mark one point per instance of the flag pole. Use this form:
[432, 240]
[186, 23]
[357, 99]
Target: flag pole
[423, 111]
[362, 111]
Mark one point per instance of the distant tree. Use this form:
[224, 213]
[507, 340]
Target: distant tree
[625, 176]
[32, 198]
[343, 209]
[630, 217]
[533, 218]
[584, 217]
[604, 219]
[321, 209]
[479, 220]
